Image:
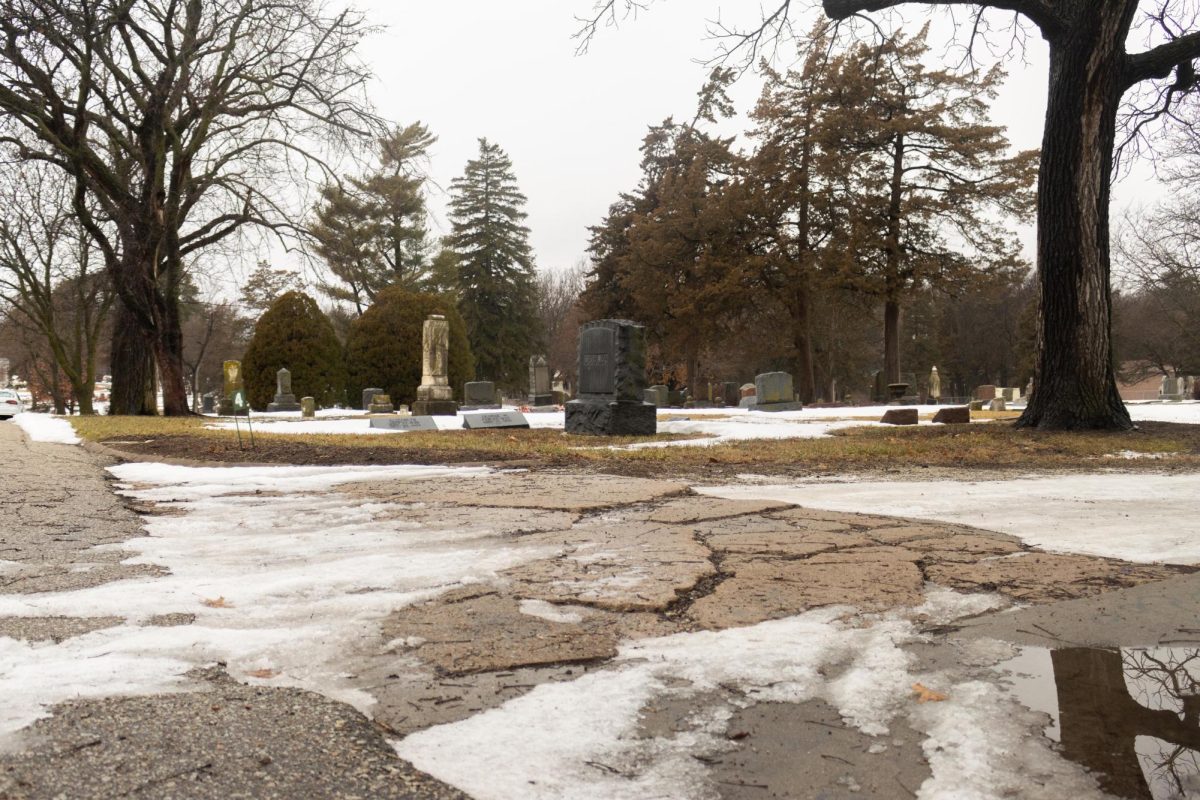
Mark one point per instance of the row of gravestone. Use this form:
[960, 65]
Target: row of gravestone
[771, 391]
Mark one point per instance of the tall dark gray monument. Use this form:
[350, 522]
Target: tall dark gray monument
[612, 382]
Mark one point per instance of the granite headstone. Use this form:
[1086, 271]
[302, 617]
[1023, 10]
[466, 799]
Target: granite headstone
[612, 382]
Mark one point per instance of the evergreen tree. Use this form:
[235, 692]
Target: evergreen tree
[262, 288]
[934, 188]
[294, 334]
[495, 267]
[371, 231]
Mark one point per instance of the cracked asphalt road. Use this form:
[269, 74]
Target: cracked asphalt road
[221, 739]
[635, 558]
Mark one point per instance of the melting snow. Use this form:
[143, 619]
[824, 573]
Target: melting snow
[47, 428]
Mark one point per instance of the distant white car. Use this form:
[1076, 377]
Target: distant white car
[10, 404]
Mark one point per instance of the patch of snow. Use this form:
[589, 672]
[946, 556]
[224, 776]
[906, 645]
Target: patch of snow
[1131, 455]
[46, 428]
[551, 612]
[1136, 517]
[292, 580]
[581, 739]
[1186, 412]
[979, 747]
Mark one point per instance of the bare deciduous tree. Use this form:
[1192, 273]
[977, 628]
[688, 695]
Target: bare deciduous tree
[51, 277]
[182, 122]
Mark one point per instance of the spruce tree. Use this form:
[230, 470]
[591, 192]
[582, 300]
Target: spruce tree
[495, 267]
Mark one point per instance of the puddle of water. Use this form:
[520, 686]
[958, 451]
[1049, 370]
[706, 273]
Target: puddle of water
[1131, 716]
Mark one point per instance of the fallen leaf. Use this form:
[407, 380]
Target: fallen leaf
[926, 695]
[262, 673]
[218, 603]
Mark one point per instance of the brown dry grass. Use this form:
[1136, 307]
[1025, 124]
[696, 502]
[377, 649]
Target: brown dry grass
[991, 446]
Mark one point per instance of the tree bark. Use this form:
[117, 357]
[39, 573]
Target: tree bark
[131, 364]
[891, 340]
[1075, 384]
[806, 385]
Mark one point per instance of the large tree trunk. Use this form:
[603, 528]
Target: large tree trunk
[806, 385]
[168, 353]
[132, 365]
[891, 340]
[1074, 382]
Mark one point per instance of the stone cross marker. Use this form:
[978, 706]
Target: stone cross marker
[434, 395]
[539, 382]
[233, 383]
[284, 399]
[612, 382]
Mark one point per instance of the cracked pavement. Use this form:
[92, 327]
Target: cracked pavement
[633, 559]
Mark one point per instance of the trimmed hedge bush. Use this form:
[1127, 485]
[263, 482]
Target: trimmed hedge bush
[295, 333]
[383, 346]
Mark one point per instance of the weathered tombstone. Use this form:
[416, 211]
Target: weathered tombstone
[773, 392]
[539, 382]
[899, 416]
[1169, 389]
[380, 404]
[1029, 388]
[1011, 394]
[308, 407]
[284, 399]
[953, 415]
[397, 423]
[897, 392]
[495, 419]
[986, 392]
[479, 394]
[935, 386]
[208, 403]
[658, 395]
[998, 404]
[233, 382]
[676, 398]
[976, 405]
[434, 396]
[612, 382]
[368, 394]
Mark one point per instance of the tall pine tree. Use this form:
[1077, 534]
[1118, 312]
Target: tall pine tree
[371, 230]
[495, 267]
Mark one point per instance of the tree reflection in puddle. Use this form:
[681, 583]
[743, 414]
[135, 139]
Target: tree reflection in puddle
[1131, 716]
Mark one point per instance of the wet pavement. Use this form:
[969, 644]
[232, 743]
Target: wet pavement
[1110, 677]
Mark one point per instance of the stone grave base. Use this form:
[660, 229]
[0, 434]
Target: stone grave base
[541, 409]
[273, 407]
[435, 408]
[504, 419]
[900, 416]
[776, 407]
[611, 419]
[487, 407]
[541, 400]
[225, 409]
[953, 415]
[404, 423]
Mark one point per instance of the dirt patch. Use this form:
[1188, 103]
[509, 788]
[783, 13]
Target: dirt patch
[575, 493]
[53, 629]
[1042, 577]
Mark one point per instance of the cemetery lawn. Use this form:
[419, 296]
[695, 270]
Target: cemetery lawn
[926, 450]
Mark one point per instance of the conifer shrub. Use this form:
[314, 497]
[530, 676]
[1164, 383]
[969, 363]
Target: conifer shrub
[295, 333]
[383, 346]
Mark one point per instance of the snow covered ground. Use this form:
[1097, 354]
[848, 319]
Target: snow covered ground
[46, 428]
[283, 577]
[1136, 517]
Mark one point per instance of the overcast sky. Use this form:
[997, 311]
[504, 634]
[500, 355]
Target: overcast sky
[572, 124]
